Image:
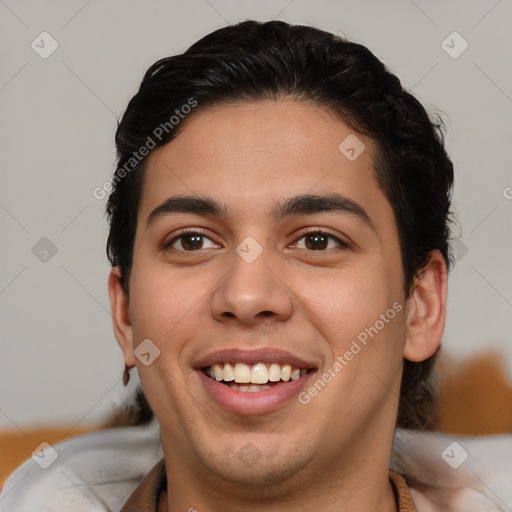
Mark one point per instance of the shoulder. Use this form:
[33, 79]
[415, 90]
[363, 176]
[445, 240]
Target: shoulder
[97, 471]
[455, 473]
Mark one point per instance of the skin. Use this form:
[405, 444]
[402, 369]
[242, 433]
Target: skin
[334, 452]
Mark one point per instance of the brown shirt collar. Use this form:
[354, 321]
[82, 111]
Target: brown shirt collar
[145, 497]
[402, 493]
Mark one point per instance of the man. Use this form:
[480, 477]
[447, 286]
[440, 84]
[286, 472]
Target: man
[279, 228]
[276, 257]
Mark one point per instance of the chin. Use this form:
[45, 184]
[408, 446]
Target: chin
[260, 474]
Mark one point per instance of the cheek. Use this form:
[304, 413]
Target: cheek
[344, 303]
[164, 307]
[162, 301]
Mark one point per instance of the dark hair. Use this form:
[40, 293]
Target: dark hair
[253, 61]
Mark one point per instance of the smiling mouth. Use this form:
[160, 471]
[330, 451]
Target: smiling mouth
[253, 378]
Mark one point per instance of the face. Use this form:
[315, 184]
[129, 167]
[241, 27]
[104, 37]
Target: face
[256, 281]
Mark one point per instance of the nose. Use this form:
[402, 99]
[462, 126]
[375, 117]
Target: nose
[252, 292]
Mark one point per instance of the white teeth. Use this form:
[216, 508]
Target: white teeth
[229, 373]
[217, 372]
[259, 373]
[286, 372]
[248, 388]
[274, 373]
[242, 373]
[256, 387]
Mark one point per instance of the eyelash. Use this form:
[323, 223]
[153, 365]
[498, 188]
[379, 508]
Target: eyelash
[198, 231]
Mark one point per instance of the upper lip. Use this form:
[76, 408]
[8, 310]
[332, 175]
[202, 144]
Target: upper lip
[249, 357]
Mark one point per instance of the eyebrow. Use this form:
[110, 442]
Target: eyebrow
[305, 204]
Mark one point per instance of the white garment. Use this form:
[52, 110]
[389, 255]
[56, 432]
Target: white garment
[481, 483]
[93, 472]
[98, 471]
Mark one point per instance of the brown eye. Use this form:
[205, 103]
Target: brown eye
[319, 241]
[188, 242]
[191, 242]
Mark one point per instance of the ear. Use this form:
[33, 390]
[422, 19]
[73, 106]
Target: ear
[119, 307]
[426, 310]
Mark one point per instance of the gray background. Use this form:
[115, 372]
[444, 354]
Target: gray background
[59, 360]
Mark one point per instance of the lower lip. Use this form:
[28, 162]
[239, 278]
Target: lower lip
[255, 402]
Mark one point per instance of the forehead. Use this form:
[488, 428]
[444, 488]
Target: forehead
[251, 155]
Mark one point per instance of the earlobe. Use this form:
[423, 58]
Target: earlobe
[119, 307]
[426, 310]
